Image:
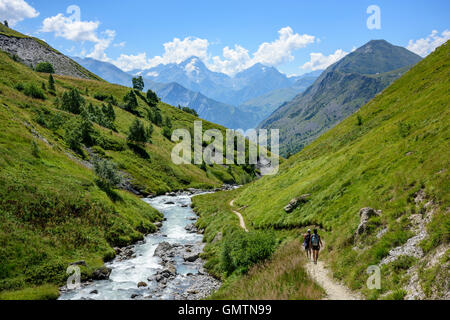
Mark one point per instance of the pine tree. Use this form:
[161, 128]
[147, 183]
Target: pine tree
[138, 83]
[51, 83]
[130, 101]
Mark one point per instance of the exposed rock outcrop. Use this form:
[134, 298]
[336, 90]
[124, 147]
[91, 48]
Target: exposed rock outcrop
[294, 203]
[365, 214]
[31, 51]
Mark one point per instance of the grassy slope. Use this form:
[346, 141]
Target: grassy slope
[401, 147]
[51, 210]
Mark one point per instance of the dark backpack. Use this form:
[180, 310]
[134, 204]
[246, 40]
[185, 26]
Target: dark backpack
[315, 240]
[306, 242]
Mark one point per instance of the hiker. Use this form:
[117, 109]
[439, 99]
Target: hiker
[307, 243]
[316, 243]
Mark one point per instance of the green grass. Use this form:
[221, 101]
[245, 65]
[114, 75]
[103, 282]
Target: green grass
[401, 147]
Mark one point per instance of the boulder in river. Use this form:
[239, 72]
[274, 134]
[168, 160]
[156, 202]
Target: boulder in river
[102, 273]
[162, 248]
[191, 257]
[191, 228]
[142, 284]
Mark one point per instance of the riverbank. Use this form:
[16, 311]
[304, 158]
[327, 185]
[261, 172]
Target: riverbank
[165, 265]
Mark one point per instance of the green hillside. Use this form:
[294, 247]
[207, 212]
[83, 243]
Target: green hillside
[54, 209]
[392, 155]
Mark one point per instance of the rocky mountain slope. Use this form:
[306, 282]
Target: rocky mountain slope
[341, 90]
[32, 51]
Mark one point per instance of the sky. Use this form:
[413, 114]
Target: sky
[294, 36]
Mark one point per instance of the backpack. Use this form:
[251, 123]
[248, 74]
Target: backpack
[306, 242]
[315, 240]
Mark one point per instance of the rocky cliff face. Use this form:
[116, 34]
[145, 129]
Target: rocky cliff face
[31, 52]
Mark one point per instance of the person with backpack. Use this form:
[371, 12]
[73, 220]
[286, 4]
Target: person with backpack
[307, 243]
[316, 243]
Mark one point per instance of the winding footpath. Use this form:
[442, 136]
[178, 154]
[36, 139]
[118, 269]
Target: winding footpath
[334, 290]
[318, 273]
[239, 215]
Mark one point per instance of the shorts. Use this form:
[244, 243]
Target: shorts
[307, 247]
[316, 248]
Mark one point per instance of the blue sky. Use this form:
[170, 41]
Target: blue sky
[227, 35]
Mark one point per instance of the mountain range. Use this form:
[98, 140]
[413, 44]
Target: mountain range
[339, 91]
[239, 102]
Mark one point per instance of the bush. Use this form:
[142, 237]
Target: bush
[107, 172]
[131, 102]
[100, 96]
[242, 249]
[35, 149]
[138, 133]
[45, 67]
[72, 101]
[33, 91]
[167, 133]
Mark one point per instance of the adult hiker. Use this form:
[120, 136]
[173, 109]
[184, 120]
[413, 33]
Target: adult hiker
[307, 243]
[316, 243]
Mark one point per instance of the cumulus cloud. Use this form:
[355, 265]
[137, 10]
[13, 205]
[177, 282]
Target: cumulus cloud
[425, 46]
[15, 11]
[101, 45]
[319, 61]
[132, 62]
[70, 29]
[232, 61]
[280, 51]
[74, 29]
[235, 60]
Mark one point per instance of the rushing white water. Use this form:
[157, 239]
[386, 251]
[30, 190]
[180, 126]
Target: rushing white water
[126, 274]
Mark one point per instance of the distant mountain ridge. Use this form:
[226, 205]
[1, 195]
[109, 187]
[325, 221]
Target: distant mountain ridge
[194, 75]
[341, 90]
[175, 94]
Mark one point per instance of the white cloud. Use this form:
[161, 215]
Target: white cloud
[74, 29]
[120, 45]
[425, 46]
[280, 51]
[71, 29]
[15, 11]
[269, 53]
[232, 61]
[132, 62]
[235, 60]
[101, 45]
[318, 61]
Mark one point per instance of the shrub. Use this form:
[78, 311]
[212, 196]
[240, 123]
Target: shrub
[107, 173]
[152, 98]
[167, 132]
[130, 101]
[72, 101]
[138, 133]
[51, 83]
[35, 149]
[45, 67]
[242, 249]
[100, 96]
[33, 91]
[19, 87]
